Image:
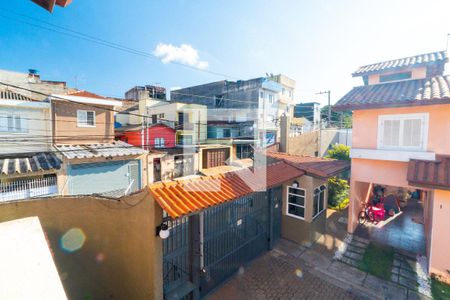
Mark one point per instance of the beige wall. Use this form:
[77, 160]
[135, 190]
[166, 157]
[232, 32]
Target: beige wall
[167, 166]
[417, 73]
[440, 242]
[306, 231]
[121, 257]
[365, 126]
[66, 130]
[305, 144]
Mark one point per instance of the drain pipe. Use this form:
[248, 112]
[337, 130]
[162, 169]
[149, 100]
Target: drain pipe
[202, 238]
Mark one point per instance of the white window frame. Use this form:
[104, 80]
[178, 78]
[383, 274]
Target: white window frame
[15, 118]
[318, 200]
[287, 202]
[159, 142]
[85, 112]
[270, 98]
[424, 117]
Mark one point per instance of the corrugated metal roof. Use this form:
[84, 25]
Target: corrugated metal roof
[117, 148]
[179, 198]
[22, 165]
[403, 93]
[422, 59]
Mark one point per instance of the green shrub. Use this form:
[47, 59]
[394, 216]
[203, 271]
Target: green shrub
[340, 152]
[338, 190]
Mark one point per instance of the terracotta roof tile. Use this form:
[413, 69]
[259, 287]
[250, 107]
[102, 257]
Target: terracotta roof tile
[314, 166]
[86, 94]
[179, 198]
[434, 174]
[422, 59]
[435, 90]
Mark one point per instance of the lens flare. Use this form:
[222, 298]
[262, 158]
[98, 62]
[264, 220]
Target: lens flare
[299, 273]
[241, 270]
[99, 258]
[73, 240]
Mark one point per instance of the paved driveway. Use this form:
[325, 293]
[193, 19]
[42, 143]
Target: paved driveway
[276, 276]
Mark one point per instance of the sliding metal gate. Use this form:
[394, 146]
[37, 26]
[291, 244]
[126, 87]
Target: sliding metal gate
[232, 234]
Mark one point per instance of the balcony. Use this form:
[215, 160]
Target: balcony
[28, 188]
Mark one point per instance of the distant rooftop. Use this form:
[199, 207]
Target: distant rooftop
[417, 60]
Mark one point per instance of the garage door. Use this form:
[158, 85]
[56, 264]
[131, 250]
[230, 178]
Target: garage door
[215, 157]
[104, 178]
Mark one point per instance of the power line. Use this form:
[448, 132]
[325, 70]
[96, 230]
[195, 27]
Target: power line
[97, 40]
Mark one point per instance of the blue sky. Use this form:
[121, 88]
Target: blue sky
[317, 43]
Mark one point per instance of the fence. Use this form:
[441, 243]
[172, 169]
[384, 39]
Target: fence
[23, 189]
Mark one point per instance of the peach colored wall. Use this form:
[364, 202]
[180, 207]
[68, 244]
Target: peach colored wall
[380, 171]
[365, 126]
[417, 73]
[66, 131]
[440, 243]
[359, 193]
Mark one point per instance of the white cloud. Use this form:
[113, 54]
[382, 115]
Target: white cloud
[184, 54]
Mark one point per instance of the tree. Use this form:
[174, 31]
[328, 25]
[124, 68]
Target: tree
[339, 152]
[336, 117]
[338, 188]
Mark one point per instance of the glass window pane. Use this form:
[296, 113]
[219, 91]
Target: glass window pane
[299, 200]
[296, 210]
[315, 205]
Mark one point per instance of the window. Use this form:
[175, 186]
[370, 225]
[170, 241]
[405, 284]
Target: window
[226, 132]
[13, 123]
[219, 101]
[395, 76]
[270, 97]
[85, 118]
[184, 139]
[261, 95]
[159, 142]
[161, 116]
[244, 151]
[296, 202]
[319, 200]
[407, 131]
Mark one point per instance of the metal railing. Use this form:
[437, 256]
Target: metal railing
[29, 188]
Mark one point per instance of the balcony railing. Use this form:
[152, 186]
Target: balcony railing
[23, 189]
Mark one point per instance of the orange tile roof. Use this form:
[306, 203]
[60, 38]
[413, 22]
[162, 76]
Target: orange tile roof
[87, 94]
[179, 198]
[314, 166]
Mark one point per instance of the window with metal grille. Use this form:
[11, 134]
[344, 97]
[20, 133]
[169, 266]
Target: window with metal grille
[296, 202]
[408, 131]
[319, 200]
[85, 118]
[219, 101]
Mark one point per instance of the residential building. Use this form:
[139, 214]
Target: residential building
[93, 163]
[256, 100]
[154, 136]
[32, 86]
[239, 215]
[286, 96]
[400, 143]
[28, 166]
[189, 120]
[310, 111]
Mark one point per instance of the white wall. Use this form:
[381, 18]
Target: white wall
[35, 117]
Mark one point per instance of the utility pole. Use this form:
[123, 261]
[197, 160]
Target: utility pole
[329, 104]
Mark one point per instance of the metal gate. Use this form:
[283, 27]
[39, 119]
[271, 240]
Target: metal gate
[234, 233]
[205, 249]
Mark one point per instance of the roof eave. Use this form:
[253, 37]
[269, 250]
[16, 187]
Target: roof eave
[392, 104]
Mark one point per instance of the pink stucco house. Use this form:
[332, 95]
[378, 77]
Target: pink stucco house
[401, 139]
